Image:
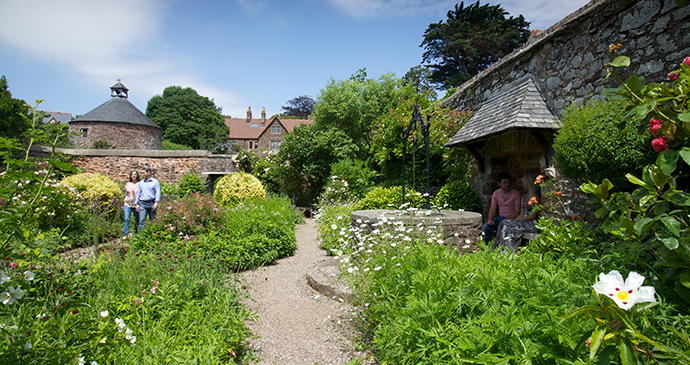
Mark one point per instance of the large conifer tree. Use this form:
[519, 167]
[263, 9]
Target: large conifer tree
[469, 41]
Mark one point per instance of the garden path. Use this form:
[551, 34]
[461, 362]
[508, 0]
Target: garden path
[296, 324]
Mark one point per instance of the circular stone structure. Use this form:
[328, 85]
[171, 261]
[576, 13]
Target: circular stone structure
[461, 229]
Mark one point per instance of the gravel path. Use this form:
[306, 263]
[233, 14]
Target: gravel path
[296, 324]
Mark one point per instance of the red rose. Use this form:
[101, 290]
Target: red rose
[659, 144]
[686, 61]
[654, 125]
[673, 76]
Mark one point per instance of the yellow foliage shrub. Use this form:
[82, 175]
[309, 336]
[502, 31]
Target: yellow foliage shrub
[89, 187]
[230, 189]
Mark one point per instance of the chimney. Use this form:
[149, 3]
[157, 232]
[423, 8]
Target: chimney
[263, 116]
[249, 115]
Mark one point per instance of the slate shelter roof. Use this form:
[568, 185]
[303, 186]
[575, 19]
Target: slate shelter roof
[117, 110]
[519, 105]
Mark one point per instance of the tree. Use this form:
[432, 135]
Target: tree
[304, 161]
[419, 79]
[301, 106]
[354, 105]
[13, 113]
[188, 118]
[471, 39]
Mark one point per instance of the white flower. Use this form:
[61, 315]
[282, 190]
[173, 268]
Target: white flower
[104, 313]
[333, 226]
[3, 278]
[94, 363]
[120, 324]
[133, 340]
[624, 293]
[82, 361]
[28, 345]
[103, 339]
[377, 268]
[12, 295]
[28, 275]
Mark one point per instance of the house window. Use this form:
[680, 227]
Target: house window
[275, 129]
[84, 132]
[233, 144]
[275, 145]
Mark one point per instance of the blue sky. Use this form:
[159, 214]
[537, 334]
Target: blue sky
[258, 53]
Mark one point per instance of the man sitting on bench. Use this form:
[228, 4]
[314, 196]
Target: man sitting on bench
[505, 204]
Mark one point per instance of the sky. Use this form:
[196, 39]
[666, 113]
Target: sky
[240, 53]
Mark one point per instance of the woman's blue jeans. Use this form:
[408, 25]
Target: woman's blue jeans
[128, 212]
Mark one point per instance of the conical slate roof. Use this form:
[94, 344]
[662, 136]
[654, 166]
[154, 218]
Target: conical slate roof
[517, 106]
[117, 110]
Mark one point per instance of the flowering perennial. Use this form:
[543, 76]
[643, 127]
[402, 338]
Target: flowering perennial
[624, 293]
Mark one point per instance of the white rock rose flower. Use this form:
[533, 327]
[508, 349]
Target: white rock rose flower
[624, 293]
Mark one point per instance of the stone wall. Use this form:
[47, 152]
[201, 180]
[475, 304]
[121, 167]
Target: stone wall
[567, 63]
[568, 60]
[168, 166]
[123, 136]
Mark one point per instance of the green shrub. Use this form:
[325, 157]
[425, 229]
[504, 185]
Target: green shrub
[591, 146]
[169, 189]
[233, 188]
[167, 145]
[96, 189]
[458, 195]
[358, 176]
[336, 191]
[334, 228]
[389, 198]
[191, 182]
[264, 169]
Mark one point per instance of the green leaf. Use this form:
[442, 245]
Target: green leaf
[684, 117]
[667, 161]
[670, 242]
[640, 224]
[642, 110]
[681, 2]
[606, 356]
[672, 224]
[637, 181]
[620, 61]
[685, 154]
[597, 337]
[684, 278]
[627, 352]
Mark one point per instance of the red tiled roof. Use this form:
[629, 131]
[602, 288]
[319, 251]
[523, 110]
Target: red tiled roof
[240, 129]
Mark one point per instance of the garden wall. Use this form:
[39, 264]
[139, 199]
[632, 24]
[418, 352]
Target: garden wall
[568, 59]
[567, 63]
[168, 166]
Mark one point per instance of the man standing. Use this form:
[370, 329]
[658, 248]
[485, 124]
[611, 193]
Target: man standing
[148, 196]
[505, 204]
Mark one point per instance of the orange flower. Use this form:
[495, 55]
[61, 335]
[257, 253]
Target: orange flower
[533, 200]
[558, 193]
[538, 180]
[576, 216]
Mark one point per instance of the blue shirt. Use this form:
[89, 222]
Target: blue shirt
[148, 190]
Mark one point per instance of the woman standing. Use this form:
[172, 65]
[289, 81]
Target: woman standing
[510, 230]
[130, 196]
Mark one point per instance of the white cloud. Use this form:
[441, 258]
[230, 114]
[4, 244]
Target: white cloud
[252, 6]
[102, 41]
[392, 8]
[542, 13]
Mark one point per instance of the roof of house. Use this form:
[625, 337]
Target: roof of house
[520, 105]
[59, 117]
[240, 129]
[117, 110]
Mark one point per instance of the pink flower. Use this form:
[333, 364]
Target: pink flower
[654, 125]
[659, 144]
[673, 76]
[538, 180]
[533, 200]
[686, 61]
